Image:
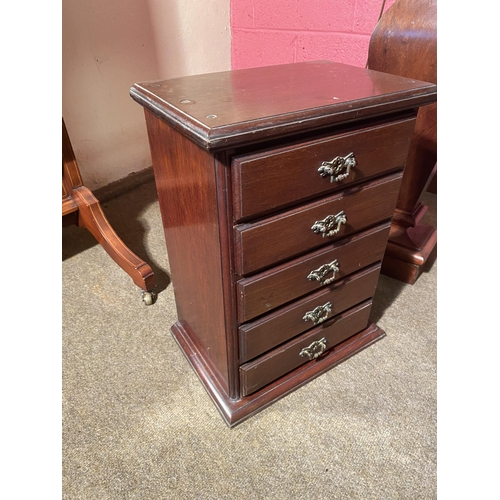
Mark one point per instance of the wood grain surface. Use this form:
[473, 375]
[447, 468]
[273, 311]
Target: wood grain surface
[222, 110]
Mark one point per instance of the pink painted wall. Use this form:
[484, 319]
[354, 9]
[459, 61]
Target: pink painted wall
[267, 32]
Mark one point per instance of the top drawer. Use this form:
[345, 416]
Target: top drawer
[272, 179]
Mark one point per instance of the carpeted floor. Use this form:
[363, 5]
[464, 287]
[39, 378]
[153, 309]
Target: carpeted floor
[137, 423]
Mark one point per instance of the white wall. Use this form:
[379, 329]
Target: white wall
[110, 44]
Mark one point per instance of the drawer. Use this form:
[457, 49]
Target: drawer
[265, 291]
[278, 238]
[273, 365]
[287, 322]
[272, 179]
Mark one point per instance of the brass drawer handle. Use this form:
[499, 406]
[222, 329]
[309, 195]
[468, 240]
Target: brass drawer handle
[330, 225]
[339, 168]
[315, 350]
[318, 314]
[321, 272]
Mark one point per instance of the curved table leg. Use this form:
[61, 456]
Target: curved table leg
[91, 217]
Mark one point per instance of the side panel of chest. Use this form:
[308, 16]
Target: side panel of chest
[186, 182]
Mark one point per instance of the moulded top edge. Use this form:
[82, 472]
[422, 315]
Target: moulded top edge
[224, 109]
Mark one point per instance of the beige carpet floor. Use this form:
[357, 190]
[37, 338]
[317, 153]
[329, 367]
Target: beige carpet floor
[137, 423]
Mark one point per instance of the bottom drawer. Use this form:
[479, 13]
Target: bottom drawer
[280, 361]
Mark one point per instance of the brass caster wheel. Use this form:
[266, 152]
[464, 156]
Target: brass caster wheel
[149, 298]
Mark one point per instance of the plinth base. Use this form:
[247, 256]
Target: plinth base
[236, 411]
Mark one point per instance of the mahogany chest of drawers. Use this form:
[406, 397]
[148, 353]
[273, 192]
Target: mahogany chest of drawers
[276, 186]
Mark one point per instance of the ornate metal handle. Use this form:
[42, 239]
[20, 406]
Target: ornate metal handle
[315, 350]
[321, 272]
[339, 168]
[318, 314]
[330, 225]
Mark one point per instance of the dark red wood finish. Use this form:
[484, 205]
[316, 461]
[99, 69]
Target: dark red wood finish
[276, 178]
[235, 108]
[273, 329]
[260, 372]
[224, 274]
[287, 235]
[265, 291]
[236, 411]
[187, 193]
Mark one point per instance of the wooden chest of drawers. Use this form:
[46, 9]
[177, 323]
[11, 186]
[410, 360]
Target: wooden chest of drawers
[277, 187]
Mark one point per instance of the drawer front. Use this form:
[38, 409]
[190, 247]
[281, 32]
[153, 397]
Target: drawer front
[265, 291]
[273, 329]
[266, 181]
[280, 361]
[288, 235]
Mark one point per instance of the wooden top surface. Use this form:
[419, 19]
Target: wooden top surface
[231, 108]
